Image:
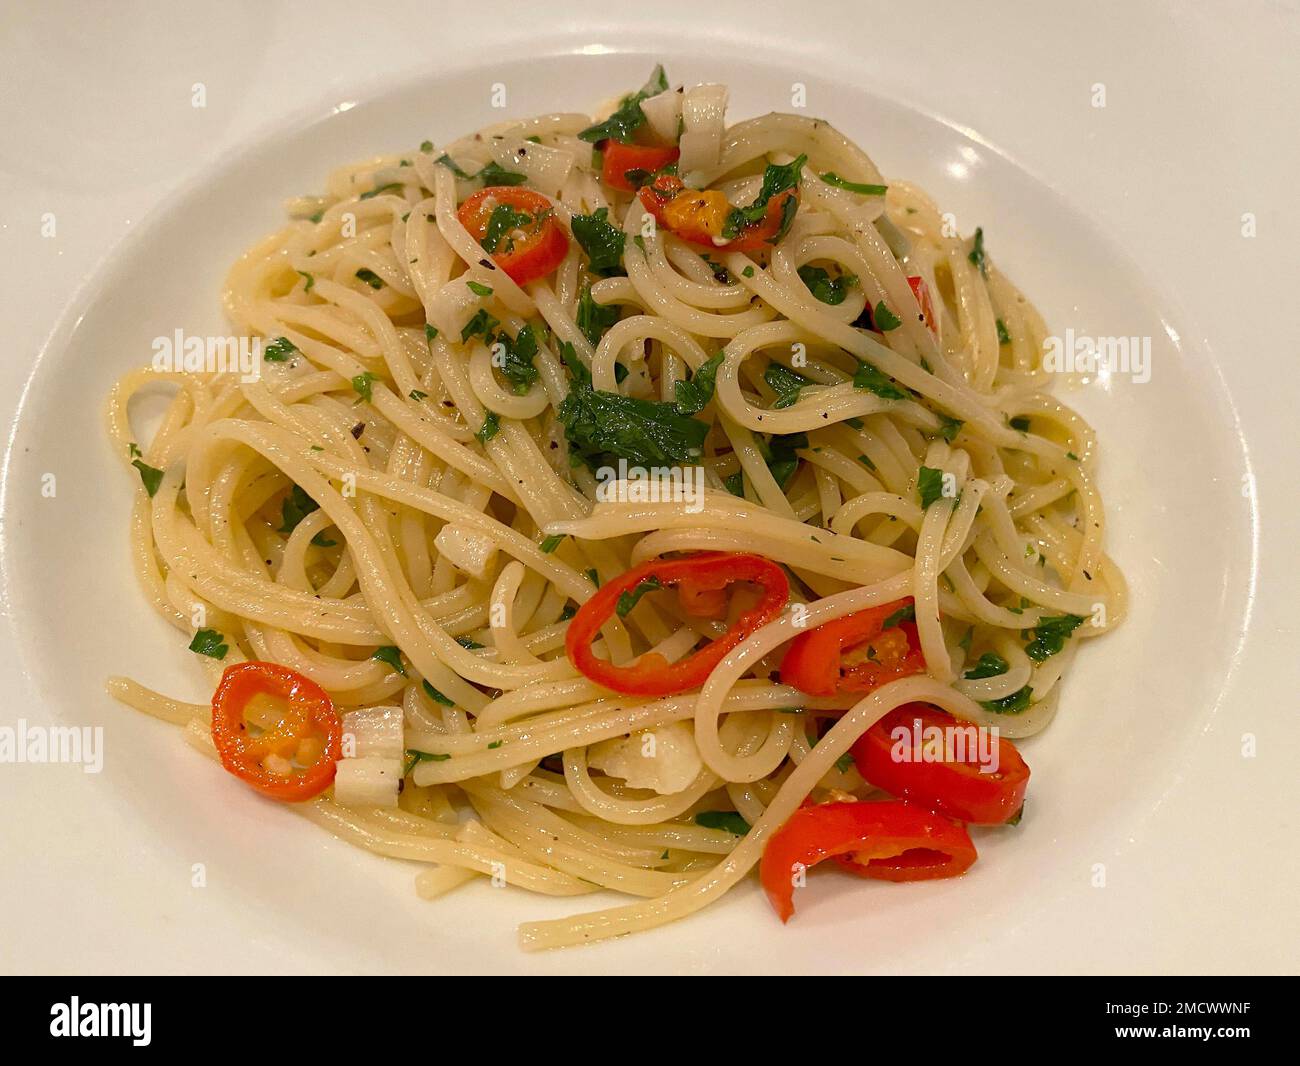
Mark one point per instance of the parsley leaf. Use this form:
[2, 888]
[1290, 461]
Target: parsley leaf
[885, 319]
[628, 116]
[929, 485]
[777, 178]
[478, 288]
[728, 820]
[602, 241]
[949, 427]
[644, 432]
[380, 189]
[977, 255]
[362, 386]
[593, 318]
[1050, 635]
[694, 395]
[906, 613]
[869, 378]
[517, 365]
[785, 383]
[549, 544]
[491, 425]
[779, 454]
[503, 221]
[279, 350]
[210, 643]
[391, 655]
[370, 278]
[990, 664]
[1013, 704]
[151, 476]
[825, 288]
[831, 178]
[297, 505]
[437, 697]
[482, 323]
[1003, 336]
[629, 599]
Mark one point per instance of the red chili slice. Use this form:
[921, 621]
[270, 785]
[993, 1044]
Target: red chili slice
[697, 578]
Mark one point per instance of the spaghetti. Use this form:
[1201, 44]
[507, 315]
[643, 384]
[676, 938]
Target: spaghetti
[499, 375]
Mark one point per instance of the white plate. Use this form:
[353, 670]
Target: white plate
[282, 895]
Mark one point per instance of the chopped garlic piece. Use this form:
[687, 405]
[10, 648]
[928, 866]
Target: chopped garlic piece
[466, 549]
[664, 758]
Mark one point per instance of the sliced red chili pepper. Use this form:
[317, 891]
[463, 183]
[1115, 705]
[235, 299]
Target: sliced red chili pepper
[699, 577]
[922, 767]
[534, 243]
[629, 166]
[854, 653]
[889, 841]
[310, 723]
[699, 215]
[922, 293]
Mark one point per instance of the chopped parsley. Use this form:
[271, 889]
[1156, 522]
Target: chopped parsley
[503, 221]
[884, 318]
[1020, 422]
[602, 241]
[785, 383]
[977, 256]
[825, 288]
[906, 613]
[1003, 336]
[517, 364]
[414, 757]
[1013, 704]
[481, 324]
[392, 656]
[430, 334]
[644, 432]
[694, 395]
[779, 454]
[279, 350]
[311, 280]
[362, 385]
[491, 425]
[478, 288]
[151, 476]
[990, 664]
[869, 378]
[831, 178]
[593, 318]
[370, 278]
[949, 427]
[380, 189]
[929, 485]
[777, 179]
[210, 643]
[549, 544]
[728, 820]
[628, 117]
[628, 600]
[437, 697]
[1051, 634]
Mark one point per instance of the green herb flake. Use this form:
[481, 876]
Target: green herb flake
[869, 378]
[831, 178]
[827, 289]
[990, 664]
[602, 241]
[1051, 634]
[728, 820]
[785, 383]
[1013, 704]
[694, 395]
[977, 255]
[279, 350]
[628, 600]
[884, 318]
[370, 278]
[151, 476]
[391, 655]
[929, 485]
[491, 426]
[363, 386]
[210, 643]
[436, 696]
[549, 544]
[478, 288]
